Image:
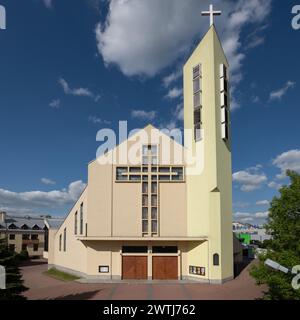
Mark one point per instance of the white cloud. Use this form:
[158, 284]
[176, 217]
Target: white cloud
[143, 37]
[263, 203]
[81, 92]
[48, 3]
[35, 201]
[289, 160]
[274, 185]
[143, 115]
[248, 217]
[250, 179]
[48, 181]
[278, 94]
[172, 77]
[174, 93]
[55, 104]
[97, 120]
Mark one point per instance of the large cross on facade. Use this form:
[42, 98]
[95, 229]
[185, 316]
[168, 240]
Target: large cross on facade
[211, 13]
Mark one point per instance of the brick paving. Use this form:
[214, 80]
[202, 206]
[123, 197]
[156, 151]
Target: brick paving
[43, 287]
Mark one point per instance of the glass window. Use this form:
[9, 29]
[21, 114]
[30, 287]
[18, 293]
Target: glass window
[154, 226]
[216, 259]
[135, 169]
[164, 169]
[145, 178]
[196, 71]
[197, 100]
[153, 150]
[81, 218]
[145, 187]
[25, 236]
[34, 237]
[120, 172]
[35, 247]
[154, 200]
[75, 222]
[12, 237]
[154, 161]
[197, 116]
[145, 169]
[135, 178]
[154, 187]
[133, 249]
[164, 178]
[198, 132]
[145, 160]
[179, 173]
[154, 213]
[60, 242]
[154, 178]
[154, 169]
[65, 239]
[145, 226]
[196, 85]
[145, 200]
[165, 249]
[145, 213]
[145, 150]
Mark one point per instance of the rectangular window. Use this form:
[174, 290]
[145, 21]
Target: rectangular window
[103, 269]
[12, 237]
[81, 218]
[35, 247]
[164, 249]
[145, 187]
[145, 213]
[138, 249]
[179, 174]
[145, 226]
[223, 85]
[25, 236]
[145, 200]
[75, 222]
[65, 239]
[135, 178]
[24, 247]
[164, 178]
[154, 226]
[154, 201]
[197, 71]
[154, 213]
[197, 133]
[197, 116]
[134, 169]
[120, 174]
[225, 131]
[34, 237]
[196, 85]
[60, 242]
[197, 100]
[154, 187]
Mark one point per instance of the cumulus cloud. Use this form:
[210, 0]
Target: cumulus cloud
[143, 115]
[250, 179]
[143, 37]
[35, 201]
[274, 185]
[172, 77]
[278, 94]
[289, 160]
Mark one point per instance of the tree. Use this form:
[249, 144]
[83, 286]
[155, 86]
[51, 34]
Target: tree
[14, 282]
[284, 226]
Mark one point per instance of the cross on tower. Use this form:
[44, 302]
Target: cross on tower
[211, 13]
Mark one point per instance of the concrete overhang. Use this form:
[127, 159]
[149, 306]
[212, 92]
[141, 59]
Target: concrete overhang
[145, 239]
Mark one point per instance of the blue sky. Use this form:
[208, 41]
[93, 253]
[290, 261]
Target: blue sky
[68, 70]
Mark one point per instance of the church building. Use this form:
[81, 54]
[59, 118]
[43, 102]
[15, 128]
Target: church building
[159, 219]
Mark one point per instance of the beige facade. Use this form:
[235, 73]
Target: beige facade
[152, 219]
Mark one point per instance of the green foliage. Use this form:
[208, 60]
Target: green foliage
[14, 282]
[23, 255]
[54, 273]
[284, 225]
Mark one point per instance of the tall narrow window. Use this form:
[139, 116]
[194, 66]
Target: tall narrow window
[65, 239]
[81, 218]
[75, 222]
[60, 242]
[224, 102]
[197, 101]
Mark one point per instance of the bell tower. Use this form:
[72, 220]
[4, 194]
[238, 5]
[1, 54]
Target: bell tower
[209, 190]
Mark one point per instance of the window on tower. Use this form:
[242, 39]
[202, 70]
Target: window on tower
[197, 100]
[225, 116]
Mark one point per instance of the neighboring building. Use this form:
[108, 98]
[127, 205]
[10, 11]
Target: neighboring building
[248, 233]
[156, 220]
[23, 234]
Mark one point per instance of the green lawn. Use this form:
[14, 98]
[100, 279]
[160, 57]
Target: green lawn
[54, 273]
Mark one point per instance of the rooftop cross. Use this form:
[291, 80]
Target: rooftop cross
[211, 13]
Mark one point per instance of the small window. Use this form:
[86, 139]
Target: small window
[154, 226]
[165, 249]
[135, 178]
[145, 200]
[120, 174]
[75, 222]
[197, 100]
[145, 213]
[24, 227]
[12, 226]
[12, 237]
[81, 218]
[197, 133]
[34, 237]
[154, 201]
[164, 178]
[216, 260]
[179, 173]
[196, 85]
[154, 187]
[197, 116]
[35, 247]
[145, 187]
[154, 213]
[25, 236]
[145, 226]
[36, 227]
[134, 169]
[196, 71]
[134, 249]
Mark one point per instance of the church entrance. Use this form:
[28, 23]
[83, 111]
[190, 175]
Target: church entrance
[164, 268]
[134, 268]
